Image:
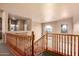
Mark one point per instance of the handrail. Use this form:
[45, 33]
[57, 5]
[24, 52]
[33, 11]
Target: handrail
[65, 34]
[39, 39]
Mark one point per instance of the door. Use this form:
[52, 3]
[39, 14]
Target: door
[0, 28]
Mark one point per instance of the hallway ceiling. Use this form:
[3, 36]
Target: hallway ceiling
[42, 12]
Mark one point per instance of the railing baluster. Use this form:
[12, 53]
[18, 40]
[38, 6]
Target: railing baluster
[65, 45]
[74, 45]
[57, 43]
[71, 46]
[68, 45]
[62, 44]
[52, 40]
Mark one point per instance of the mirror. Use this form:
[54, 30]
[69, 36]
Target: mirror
[64, 28]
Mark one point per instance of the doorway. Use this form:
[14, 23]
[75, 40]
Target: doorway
[49, 29]
[0, 29]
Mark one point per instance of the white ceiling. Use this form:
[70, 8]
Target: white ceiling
[42, 12]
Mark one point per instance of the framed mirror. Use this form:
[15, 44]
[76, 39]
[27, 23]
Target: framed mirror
[64, 28]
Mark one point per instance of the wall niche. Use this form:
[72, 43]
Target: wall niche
[17, 23]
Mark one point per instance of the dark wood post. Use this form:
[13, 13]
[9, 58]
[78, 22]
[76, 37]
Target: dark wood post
[33, 37]
[46, 40]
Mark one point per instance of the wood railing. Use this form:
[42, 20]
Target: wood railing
[19, 43]
[64, 44]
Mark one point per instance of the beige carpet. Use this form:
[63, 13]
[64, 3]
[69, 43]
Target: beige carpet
[4, 51]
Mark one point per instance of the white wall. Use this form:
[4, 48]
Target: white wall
[68, 21]
[36, 27]
[76, 25]
[4, 24]
[56, 25]
[4, 16]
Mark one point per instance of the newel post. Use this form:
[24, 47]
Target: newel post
[46, 40]
[33, 38]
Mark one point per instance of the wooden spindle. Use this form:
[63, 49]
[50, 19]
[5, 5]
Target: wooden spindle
[52, 40]
[67, 45]
[62, 44]
[55, 43]
[59, 43]
[74, 45]
[71, 46]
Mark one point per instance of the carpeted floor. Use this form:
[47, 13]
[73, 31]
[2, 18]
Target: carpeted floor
[4, 51]
[49, 53]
